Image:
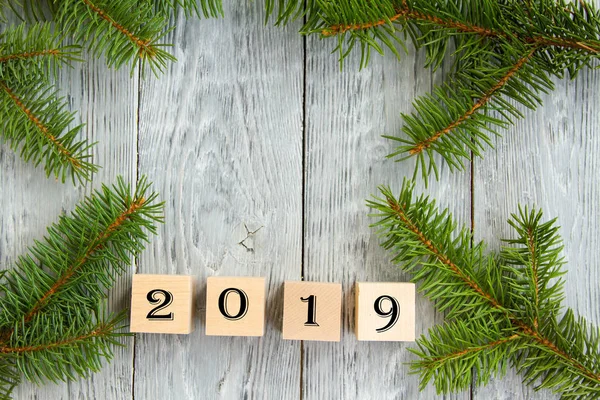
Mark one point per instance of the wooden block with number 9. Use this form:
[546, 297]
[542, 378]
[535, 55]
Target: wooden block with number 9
[385, 311]
[162, 304]
[312, 311]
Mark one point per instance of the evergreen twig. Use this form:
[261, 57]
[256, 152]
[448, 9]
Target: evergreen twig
[53, 319]
[501, 308]
[32, 116]
[518, 44]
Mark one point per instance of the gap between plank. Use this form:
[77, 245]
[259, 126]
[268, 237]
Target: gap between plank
[137, 177]
[304, 179]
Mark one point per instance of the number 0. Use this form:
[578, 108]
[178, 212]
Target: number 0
[393, 313]
[243, 304]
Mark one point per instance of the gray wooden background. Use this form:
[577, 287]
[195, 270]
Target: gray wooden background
[257, 127]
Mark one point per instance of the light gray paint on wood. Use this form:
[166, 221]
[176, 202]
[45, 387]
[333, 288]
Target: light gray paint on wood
[222, 140]
[221, 136]
[347, 112]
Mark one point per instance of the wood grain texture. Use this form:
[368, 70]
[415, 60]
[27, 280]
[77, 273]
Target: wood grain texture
[222, 139]
[346, 114]
[229, 135]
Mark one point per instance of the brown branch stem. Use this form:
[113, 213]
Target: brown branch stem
[483, 100]
[30, 54]
[474, 349]
[100, 331]
[406, 13]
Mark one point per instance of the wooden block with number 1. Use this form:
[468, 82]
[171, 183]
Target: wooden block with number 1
[162, 304]
[385, 311]
[312, 311]
[235, 306]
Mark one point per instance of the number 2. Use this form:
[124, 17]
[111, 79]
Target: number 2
[168, 299]
[393, 313]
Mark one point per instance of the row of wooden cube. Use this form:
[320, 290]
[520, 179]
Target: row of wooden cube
[235, 306]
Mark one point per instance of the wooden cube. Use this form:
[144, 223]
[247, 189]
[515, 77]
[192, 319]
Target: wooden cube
[312, 311]
[385, 311]
[162, 304]
[235, 306]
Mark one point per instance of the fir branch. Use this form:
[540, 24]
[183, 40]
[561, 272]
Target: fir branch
[34, 52]
[57, 349]
[535, 258]
[80, 251]
[34, 120]
[499, 291]
[457, 348]
[406, 14]
[123, 31]
[455, 120]
[95, 245]
[432, 16]
[483, 100]
[541, 39]
[53, 321]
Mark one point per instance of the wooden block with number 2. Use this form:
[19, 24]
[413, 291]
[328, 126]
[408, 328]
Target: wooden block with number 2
[162, 304]
[385, 311]
[312, 311]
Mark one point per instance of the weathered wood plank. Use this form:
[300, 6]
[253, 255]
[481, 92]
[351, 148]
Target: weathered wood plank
[107, 102]
[347, 112]
[548, 160]
[222, 140]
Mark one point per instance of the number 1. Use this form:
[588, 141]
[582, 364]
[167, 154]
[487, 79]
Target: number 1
[312, 310]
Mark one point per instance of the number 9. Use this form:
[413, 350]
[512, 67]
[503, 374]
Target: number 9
[393, 313]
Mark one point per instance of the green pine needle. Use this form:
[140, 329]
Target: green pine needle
[35, 122]
[501, 309]
[33, 51]
[202, 8]
[34, 119]
[501, 51]
[53, 319]
[124, 31]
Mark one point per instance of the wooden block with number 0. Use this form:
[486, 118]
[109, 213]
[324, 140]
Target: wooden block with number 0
[235, 306]
[312, 311]
[385, 311]
[162, 304]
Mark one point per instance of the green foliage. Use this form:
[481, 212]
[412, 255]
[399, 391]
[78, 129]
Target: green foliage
[123, 31]
[501, 309]
[53, 319]
[33, 118]
[450, 123]
[205, 8]
[504, 52]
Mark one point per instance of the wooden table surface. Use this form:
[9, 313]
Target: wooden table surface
[256, 129]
